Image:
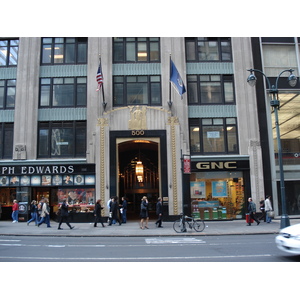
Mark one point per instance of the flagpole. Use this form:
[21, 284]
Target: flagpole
[170, 102]
[102, 85]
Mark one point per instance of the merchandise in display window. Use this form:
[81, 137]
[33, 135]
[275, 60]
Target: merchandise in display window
[80, 200]
[217, 195]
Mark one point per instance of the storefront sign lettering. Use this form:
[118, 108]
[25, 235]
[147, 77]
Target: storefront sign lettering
[45, 169]
[8, 170]
[211, 165]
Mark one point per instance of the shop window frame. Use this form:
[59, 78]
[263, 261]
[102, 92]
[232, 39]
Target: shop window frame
[49, 84]
[192, 44]
[11, 49]
[198, 124]
[126, 83]
[6, 140]
[124, 47]
[48, 127]
[5, 86]
[51, 45]
[199, 81]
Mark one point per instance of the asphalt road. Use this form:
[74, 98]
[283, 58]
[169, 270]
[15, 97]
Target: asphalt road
[235, 248]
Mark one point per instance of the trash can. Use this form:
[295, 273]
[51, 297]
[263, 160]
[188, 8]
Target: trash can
[215, 213]
[23, 212]
[196, 215]
[206, 214]
[224, 213]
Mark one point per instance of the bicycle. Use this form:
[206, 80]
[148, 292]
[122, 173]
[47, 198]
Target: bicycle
[186, 221]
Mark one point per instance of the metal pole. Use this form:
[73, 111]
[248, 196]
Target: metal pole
[284, 217]
[273, 90]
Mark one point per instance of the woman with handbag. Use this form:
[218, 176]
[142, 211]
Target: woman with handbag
[268, 209]
[144, 213]
[97, 213]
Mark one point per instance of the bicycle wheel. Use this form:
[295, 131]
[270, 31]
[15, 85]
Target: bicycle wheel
[199, 225]
[178, 226]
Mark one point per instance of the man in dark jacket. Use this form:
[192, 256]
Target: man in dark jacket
[252, 212]
[159, 212]
[64, 213]
[114, 209]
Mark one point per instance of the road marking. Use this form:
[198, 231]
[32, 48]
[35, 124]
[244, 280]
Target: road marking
[135, 258]
[10, 240]
[174, 241]
[51, 246]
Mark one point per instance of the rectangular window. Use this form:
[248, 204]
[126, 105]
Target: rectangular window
[201, 49]
[68, 50]
[132, 50]
[6, 140]
[278, 58]
[137, 90]
[210, 89]
[63, 92]
[62, 139]
[9, 52]
[7, 94]
[213, 136]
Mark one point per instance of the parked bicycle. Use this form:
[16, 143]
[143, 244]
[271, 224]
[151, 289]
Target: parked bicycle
[188, 222]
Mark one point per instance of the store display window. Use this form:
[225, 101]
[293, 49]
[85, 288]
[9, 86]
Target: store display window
[217, 195]
[80, 200]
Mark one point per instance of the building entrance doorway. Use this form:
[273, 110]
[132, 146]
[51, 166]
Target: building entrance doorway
[40, 193]
[138, 173]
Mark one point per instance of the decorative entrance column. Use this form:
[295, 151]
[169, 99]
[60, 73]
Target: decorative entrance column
[173, 122]
[102, 122]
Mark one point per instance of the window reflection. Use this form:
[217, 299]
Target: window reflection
[9, 52]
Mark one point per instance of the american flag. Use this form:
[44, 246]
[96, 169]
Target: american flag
[99, 78]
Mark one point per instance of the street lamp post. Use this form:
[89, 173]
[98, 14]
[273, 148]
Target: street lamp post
[273, 90]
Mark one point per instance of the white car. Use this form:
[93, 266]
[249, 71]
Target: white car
[288, 239]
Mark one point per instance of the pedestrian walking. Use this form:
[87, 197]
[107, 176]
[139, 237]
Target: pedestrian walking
[15, 211]
[97, 213]
[64, 214]
[262, 209]
[124, 209]
[159, 212]
[144, 213]
[268, 208]
[109, 220]
[45, 213]
[39, 209]
[252, 212]
[33, 213]
[114, 210]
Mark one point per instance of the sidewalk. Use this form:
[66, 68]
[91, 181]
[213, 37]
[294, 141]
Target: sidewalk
[132, 228]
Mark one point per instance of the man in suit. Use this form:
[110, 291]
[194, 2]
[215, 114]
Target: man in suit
[159, 212]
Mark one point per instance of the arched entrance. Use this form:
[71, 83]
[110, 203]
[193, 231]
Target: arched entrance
[138, 173]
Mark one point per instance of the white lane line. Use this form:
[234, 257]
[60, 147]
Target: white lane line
[174, 241]
[51, 246]
[10, 240]
[136, 258]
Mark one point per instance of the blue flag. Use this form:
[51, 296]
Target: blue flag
[176, 79]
